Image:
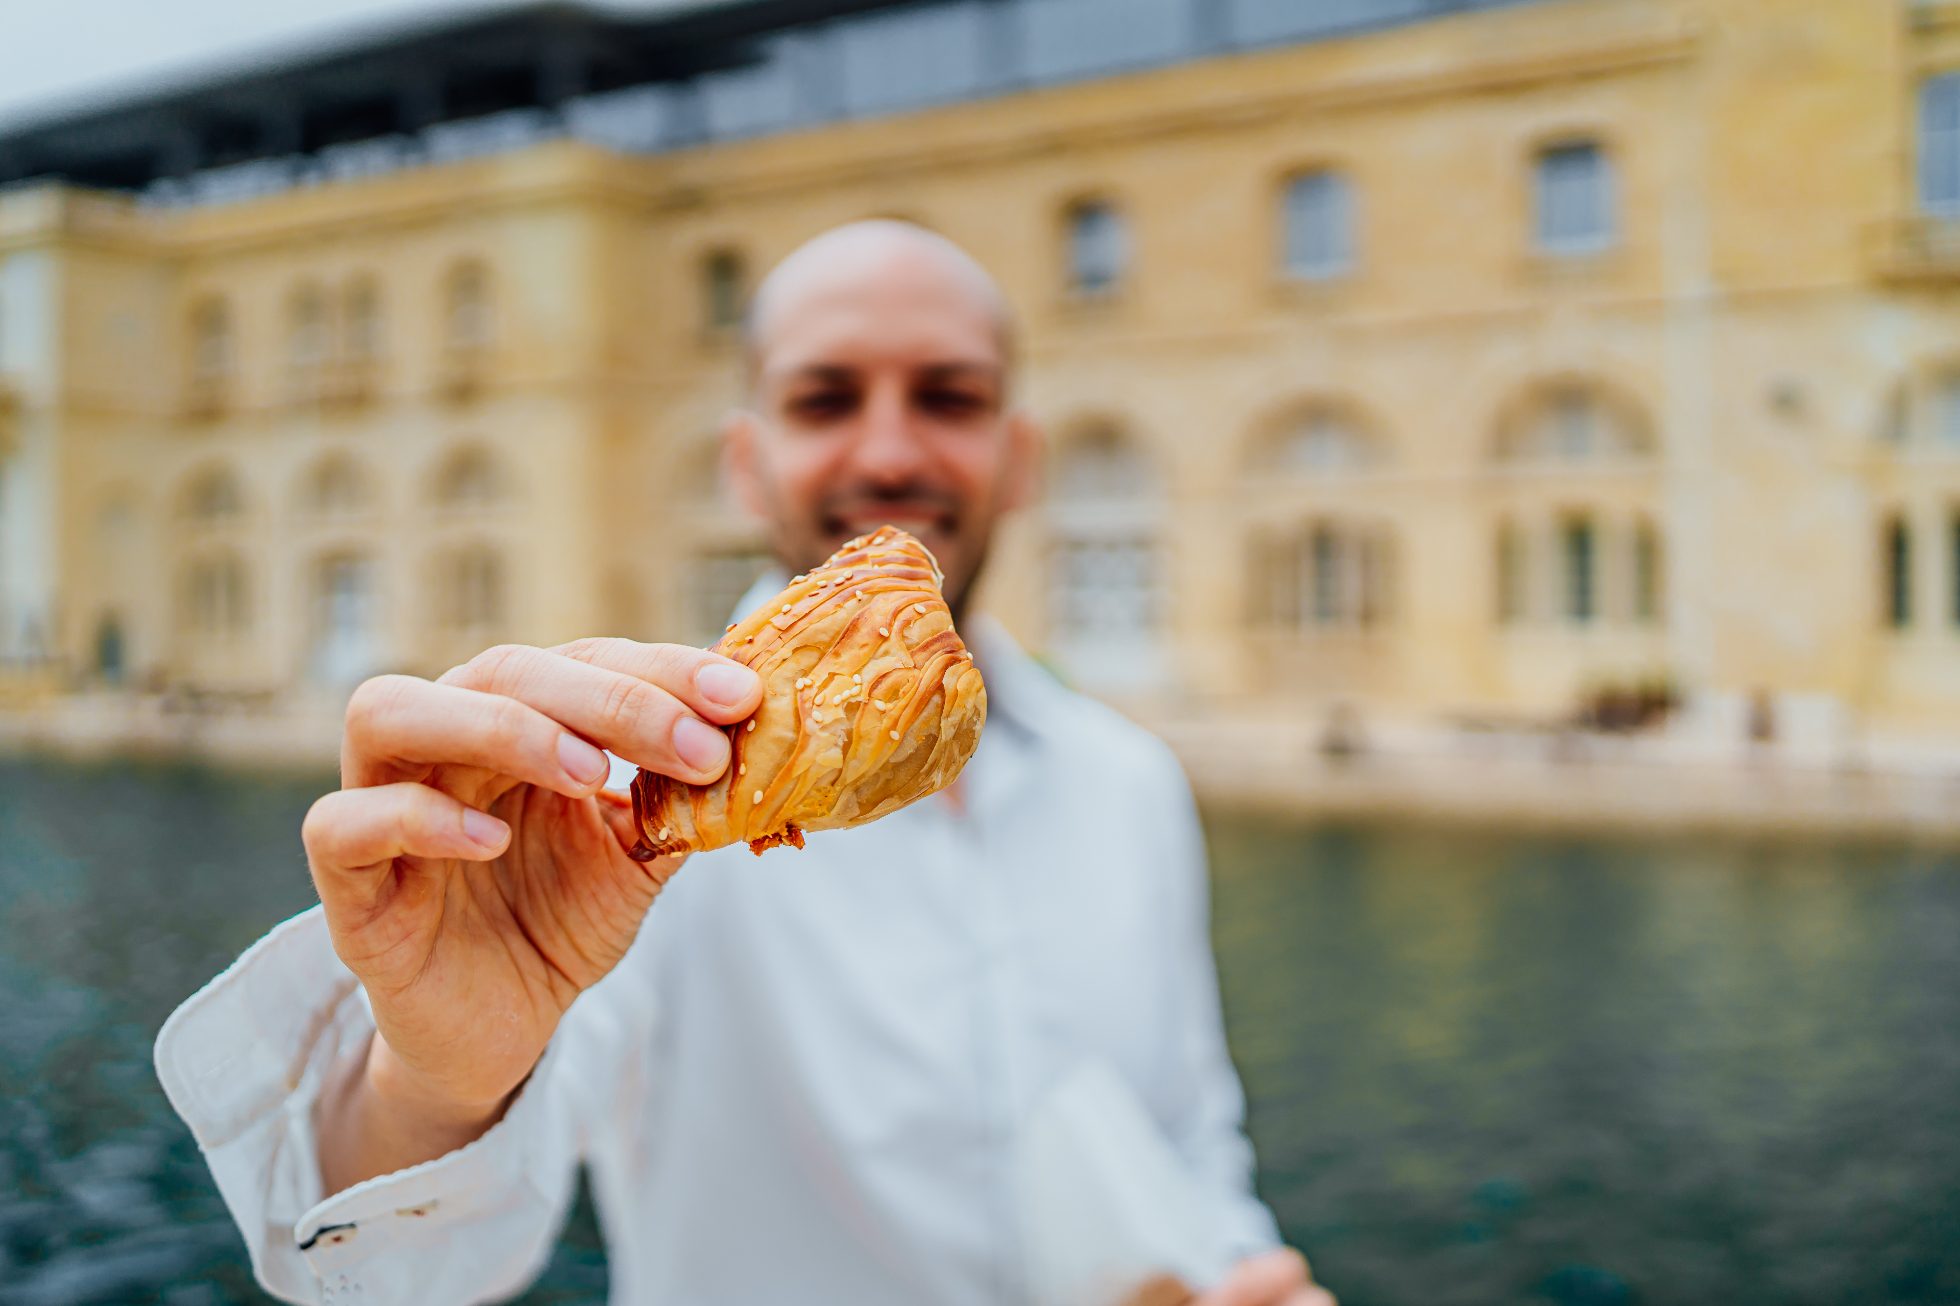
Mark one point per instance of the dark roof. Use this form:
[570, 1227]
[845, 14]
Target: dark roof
[394, 78]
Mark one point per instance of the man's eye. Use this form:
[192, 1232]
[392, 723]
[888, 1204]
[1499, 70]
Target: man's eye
[822, 404]
[953, 403]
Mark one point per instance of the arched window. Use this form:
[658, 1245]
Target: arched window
[306, 342]
[1574, 425]
[470, 590]
[1098, 247]
[1946, 411]
[469, 478]
[467, 315]
[337, 487]
[1953, 565]
[210, 360]
[1512, 565]
[1317, 225]
[724, 288]
[1896, 553]
[1321, 442]
[1323, 575]
[345, 644]
[1101, 465]
[1578, 569]
[1107, 600]
[216, 596]
[213, 496]
[1646, 572]
[362, 317]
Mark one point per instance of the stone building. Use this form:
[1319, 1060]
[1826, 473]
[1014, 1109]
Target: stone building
[1444, 357]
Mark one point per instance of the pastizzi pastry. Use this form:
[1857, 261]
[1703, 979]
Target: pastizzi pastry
[870, 701]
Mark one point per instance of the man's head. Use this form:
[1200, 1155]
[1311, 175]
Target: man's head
[879, 360]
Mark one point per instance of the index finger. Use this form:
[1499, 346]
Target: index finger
[718, 688]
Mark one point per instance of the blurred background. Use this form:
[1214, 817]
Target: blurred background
[1511, 448]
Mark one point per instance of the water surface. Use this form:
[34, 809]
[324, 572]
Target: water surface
[1482, 1068]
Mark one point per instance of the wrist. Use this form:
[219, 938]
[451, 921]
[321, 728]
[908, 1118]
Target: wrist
[412, 1098]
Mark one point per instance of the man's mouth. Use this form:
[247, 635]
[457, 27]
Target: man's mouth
[920, 522]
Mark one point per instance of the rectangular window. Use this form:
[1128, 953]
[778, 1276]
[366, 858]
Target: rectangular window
[1580, 553]
[1328, 565]
[1898, 574]
[1097, 248]
[1575, 199]
[1319, 221]
[1953, 563]
[1646, 574]
[722, 290]
[1510, 574]
[1939, 146]
[1946, 412]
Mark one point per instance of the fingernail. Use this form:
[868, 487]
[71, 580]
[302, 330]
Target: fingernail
[725, 683]
[700, 745]
[581, 761]
[483, 829]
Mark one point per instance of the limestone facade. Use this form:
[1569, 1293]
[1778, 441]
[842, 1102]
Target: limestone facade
[1448, 370]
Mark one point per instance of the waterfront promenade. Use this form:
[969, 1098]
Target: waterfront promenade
[1697, 772]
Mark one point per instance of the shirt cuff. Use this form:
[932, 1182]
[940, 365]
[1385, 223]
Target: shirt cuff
[244, 1060]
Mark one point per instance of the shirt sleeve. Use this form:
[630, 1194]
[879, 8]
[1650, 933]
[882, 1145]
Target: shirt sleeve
[243, 1062]
[1209, 1130]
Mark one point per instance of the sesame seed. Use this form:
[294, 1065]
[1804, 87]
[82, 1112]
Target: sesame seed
[878, 703]
[802, 682]
[919, 608]
[729, 627]
[662, 834]
[857, 678]
[894, 734]
[819, 700]
[886, 631]
[741, 768]
[751, 724]
[757, 798]
[785, 607]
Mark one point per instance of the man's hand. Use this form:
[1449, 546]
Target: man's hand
[1276, 1278]
[475, 878]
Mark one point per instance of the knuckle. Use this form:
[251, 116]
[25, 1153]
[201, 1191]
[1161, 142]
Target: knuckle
[584, 649]
[318, 824]
[508, 728]
[497, 665]
[375, 699]
[629, 704]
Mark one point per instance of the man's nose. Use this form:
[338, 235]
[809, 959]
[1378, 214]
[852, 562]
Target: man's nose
[890, 448]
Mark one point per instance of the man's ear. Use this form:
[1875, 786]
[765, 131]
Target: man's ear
[741, 462]
[1027, 447]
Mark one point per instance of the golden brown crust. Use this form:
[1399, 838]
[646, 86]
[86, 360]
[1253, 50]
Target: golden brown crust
[870, 701]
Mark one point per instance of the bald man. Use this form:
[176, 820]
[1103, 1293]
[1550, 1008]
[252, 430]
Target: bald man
[970, 1053]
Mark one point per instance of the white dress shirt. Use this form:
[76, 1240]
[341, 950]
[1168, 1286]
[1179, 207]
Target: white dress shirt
[809, 1079]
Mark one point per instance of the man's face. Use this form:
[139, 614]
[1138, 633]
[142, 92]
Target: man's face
[880, 396]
